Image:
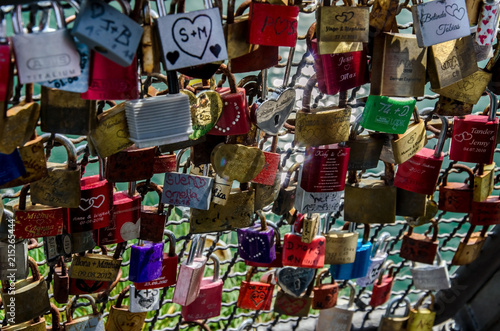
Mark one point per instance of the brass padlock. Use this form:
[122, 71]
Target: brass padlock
[470, 247]
[410, 142]
[120, 318]
[93, 322]
[449, 107]
[340, 244]
[37, 324]
[483, 182]
[422, 319]
[392, 322]
[365, 149]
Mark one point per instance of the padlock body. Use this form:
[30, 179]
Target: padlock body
[267, 175]
[255, 296]
[357, 269]
[168, 275]
[235, 118]
[468, 251]
[376, 263]
[61, 286]
[285, 200]
[410, 204]
[419, 248]
[486, 212]
[87, 322]
[272, 25]
[455, 197]
[146, 262]
[325, 296]
[287, 304]
[381, 292]
[256, 245]
[143, 300]
[484, 183]
[299, 254]
[39, 221]
[83, 286]
[393, 323]
[420, 173]
[104, 268]
[341, 23]
[5, 72]
[332, 122]
[336, 318]
[187, 290]
[164, 163]
[432, 278]
[340, 247]
[276, 263]
[20, 260]
[388, 115]
[13, 167]
[421, 319]
[122, 319]
[410, 143]
[152, 224]
[207, 304]
[131, 164]
[365, 152]
[473, 139]
[316, 202]
[94, 211]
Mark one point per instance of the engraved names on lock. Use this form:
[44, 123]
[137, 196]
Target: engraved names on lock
[39, 223]
[297, 253]
[338, 24]
[317, 202]
[187, 190]
[387, 115]
[273, 25]
[420, 173]
[94, 267]
[325, 168]
[474, 139]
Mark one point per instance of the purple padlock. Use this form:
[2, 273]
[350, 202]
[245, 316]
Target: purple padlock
[145, 261]
[256, 243]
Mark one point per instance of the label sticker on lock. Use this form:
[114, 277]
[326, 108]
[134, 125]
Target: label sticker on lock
[187, 190]
[190, 39]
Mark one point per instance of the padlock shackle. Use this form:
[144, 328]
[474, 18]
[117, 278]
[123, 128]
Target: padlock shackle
[70, 148]
[17, 20]
[493, 105]
[263, 222]
[64, 269]
[395, 300]
[246, 325]
[442, 136]
[179, 159]
[69, 310]
[289, 173]
[22, 196]
[171, 240]
[352, 294]
[153, 187]
[381, 244]
[263, 93]
[288, 67]
[56, 317]
[306, 96]
[193, 249]
[382, 271]
[121, 296]
[320, 275]
[214, 258]
[460, 168]
[230, 78]
[241, 9]
[420, 301]
[356, 127]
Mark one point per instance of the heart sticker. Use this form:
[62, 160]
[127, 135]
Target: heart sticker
[130, 230]
[345, 17]
[294, 280]
[206, 109]
[192, 35]
[272, 113]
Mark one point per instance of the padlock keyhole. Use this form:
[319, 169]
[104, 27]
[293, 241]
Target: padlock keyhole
[276, 119]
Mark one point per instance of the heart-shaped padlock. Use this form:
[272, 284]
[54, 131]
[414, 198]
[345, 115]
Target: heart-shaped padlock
[294, 280]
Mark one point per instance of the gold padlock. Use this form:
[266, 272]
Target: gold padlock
[340, 246]
[483, 182]
[449, 107]
[121, 319]
[391, 322]
[470, 246]
[422, 319]
[410, 142]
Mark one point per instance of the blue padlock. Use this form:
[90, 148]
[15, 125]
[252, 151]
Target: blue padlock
[11, 167]
[145, 261]
[359, 267]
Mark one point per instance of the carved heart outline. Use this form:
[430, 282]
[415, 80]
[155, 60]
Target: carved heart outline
[257, 297]
[301, 277]
[454, 11]
[273, 113]
[290, 305]
[345, 17]
[192, 50]
[92, 202]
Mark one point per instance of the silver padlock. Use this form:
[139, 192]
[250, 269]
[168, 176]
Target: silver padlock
[379, 256]
[338, 318]
[44, 56]
[143, 300]
[433, 277]
[13, 259]
[107, 31]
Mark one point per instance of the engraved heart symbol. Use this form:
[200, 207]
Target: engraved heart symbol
[215, 49]
[192, 36]
[206, 108]
[86, 204]
[272, 113]
[172, 56]
[257, 297]
[97, 201]
[290, 305]
[294, 280]
[454, 11]
[122, 134]
[464, 136]
[146, 302]
[345, 17]
[347, 67]
[281, 25]
[466, 85]
[128, 321]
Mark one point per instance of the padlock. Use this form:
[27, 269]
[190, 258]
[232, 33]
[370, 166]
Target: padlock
[371, 200]
[421, 318]
[382, 288]
[191, 273]
[92, 322]
[236, 30]
[406, 145]
[36, 324]
[7, 67]
[169, 263]
[431, 277]
[332, 121]
[449, 107]
[145, 261]
[104, 268]
[56, 55]
[316, 202]
[289, 305]
[62, 246]
[267, 194]
[305, 255]
[483, 181]
[181, 189]
[18, 297]
[111, 81]
[34, 221]
[120, 318]
[398, 66]
[377, 259]
[150, 51]
[61, 187]
[456, 197]
[143, 300]
[125, 223]
[278, 249]
[61, 282]
[338, 318]
[358, 268]
[470, 247]
[65, 112]
[85, 286]
[451, 61]
[131, 164]
[272, 25]
[80, 242]
[382, 16]
[164, 162]
[235, 214]
[235, 118]
[364, 149]
[256, 295]
[267, 176]
[391, 321]
[209, 301]
[152, 218]
[94, 211]
[340, 245]
[420, 173]
[485, 212]
[418, 247]
[256, 243]
[389, 115]
[474, 136]
[13, 167]
[410, 204]
[341, 23]
[295, 281]
[206, 45]
[107, 31]
[310, 224]
[33, 158]
[20, 267]
[286, 196]
[325, 295]
[436, 23]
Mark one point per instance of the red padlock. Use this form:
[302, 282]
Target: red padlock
[418, 247]
[235, 118]
[35, 221]
[130, 165]
[457, 197]
[164, 162]
[272, 25]
[111, 81]
[267, 175]
[209, 301]
[125, 221]
[382, 288]
[420, 173]
[485, 212]
[6, 69]
[168, 269]
[299, 254]
[152, 218]
[325, 295]
[474, 136]
[256, 295]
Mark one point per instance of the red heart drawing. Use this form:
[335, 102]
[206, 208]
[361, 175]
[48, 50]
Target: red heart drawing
[258, 297]
[494, 11]
[485, 22]
[482, 38]
[490, 31]
[487, 7]
[478, 29]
